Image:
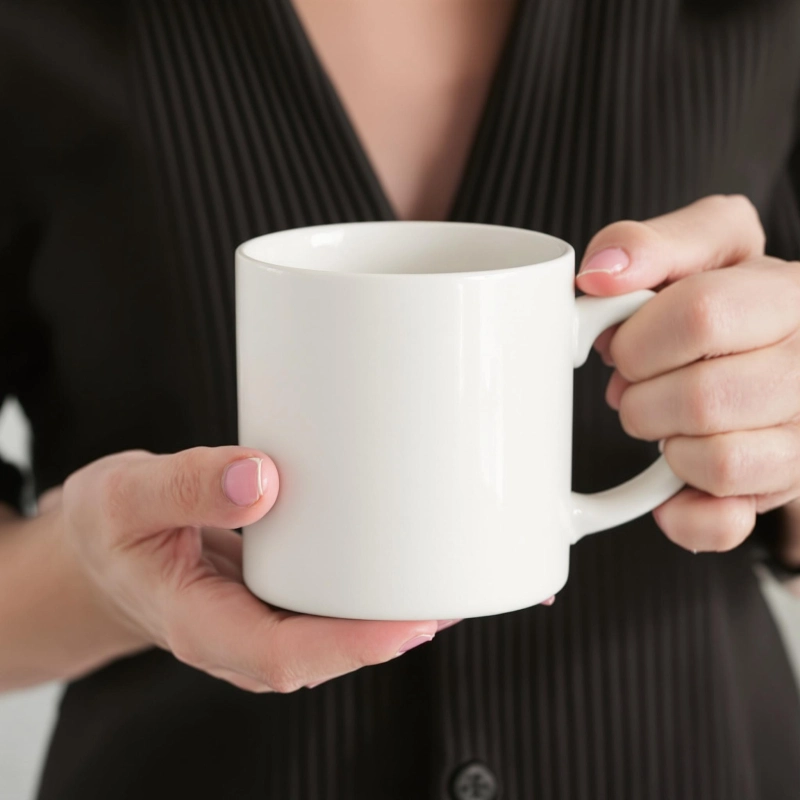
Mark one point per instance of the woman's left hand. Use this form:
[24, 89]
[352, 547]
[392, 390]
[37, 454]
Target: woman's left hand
[711, 365]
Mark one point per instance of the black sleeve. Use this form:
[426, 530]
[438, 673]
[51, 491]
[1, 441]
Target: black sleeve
[21, 225]
[18, 334]
[782, 217]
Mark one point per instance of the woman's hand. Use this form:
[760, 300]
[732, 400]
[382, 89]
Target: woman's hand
[149, 538]
[711, 366]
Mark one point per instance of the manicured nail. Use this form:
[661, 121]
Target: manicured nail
[549, 601]
[243, 482]
[661, 445]
[415, 642]
[446, 623]
[611, 261]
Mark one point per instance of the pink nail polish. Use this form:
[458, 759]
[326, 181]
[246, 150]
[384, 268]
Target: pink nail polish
[415, 642]
[243, 482]
[446, 623]
[549, 601]
[610, 261]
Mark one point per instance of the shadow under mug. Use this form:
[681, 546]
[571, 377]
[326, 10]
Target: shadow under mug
[413, 383]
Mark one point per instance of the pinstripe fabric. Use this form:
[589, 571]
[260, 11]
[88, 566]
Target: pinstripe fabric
[657, 675]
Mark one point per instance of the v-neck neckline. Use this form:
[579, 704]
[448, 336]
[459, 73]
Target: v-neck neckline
[472, 164]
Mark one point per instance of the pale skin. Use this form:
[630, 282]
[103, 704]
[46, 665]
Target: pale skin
[413, 76]
[137, 550]
[710, 367]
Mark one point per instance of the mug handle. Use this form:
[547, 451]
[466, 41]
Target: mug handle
[607, 509]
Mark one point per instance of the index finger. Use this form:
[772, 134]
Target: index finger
[215, 623]
[720, 313]
[714, 232]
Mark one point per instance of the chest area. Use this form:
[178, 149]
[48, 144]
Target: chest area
[575, 114]
[413, 77]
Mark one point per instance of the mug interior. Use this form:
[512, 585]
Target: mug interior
[395, 248]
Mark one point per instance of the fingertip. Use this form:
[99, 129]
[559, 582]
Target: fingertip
[697, 521]
[597, 284]
[415, 641]
[602, 284]
[603, 345]
[251, 481]
[615, 389]
[270, 483]
[332, 646]
[550, 600]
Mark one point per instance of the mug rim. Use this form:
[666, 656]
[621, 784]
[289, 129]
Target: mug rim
[242, 256]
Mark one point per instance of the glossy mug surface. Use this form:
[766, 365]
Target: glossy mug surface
[413, 383]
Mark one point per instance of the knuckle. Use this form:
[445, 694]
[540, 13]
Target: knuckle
[740, 207]
[726, 468]
[745, 207]
[73, 491]
[725, 203]
[705, 312]
[185, 485]
[701, 410]
[113, 497]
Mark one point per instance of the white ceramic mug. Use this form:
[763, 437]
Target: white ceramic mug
[413, 383]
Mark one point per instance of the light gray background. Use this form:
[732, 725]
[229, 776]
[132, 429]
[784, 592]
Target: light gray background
[26, 717]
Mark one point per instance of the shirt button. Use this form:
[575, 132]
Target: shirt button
[474, 781]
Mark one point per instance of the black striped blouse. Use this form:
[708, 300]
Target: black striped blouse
[142, 140]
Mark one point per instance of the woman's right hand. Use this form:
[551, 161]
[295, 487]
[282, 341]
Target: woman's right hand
[152, 537]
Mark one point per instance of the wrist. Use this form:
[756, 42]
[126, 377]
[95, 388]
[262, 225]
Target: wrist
[112, 633]
[54, 623]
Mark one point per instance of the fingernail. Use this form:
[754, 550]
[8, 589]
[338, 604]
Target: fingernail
[611, 261]
[661, 445]
[549, 601]
[694, 552]
[415, 642]
[312, 685]
[446, 623]
[243, 482]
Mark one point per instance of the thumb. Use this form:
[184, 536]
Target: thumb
[714, 232]
[49, 500]
[222, 487]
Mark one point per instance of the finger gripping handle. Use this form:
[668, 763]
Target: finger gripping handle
[607, 509]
